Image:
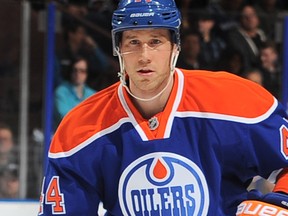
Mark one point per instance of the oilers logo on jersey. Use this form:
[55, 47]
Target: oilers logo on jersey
[163, 184]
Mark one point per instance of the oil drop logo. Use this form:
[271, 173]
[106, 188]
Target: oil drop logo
[163, 184]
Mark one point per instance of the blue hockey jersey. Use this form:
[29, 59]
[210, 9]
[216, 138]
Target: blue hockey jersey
[196, 157]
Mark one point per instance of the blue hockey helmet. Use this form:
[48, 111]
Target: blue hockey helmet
[141, 14]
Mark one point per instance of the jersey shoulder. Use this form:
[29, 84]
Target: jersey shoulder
[88, 118]
[225, 93]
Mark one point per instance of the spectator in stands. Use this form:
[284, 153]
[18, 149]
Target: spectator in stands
[231, 61]
[248, 38]
[254, 75]
[8, 153]
[189, 9]
[268, 13]
[78, 42]
[9, 182]
[100, 13]
[72, 9]
[73, 91]
[212, 44]
[271, 68]
[226, 13]
[103, 6]
[190, 49]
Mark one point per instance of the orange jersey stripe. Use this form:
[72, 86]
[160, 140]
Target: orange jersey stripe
[224, 93]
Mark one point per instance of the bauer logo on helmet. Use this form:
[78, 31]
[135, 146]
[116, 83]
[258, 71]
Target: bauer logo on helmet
[142, 14]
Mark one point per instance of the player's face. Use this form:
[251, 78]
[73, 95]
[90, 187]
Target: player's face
[146, 56]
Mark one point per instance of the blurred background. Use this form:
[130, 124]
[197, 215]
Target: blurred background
[49, 46]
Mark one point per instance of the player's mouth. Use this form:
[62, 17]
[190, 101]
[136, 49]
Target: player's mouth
[145, 71]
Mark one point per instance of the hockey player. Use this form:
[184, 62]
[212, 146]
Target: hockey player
[166, 141]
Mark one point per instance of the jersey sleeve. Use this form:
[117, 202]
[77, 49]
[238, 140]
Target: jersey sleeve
[67, 191]
[73, 182]
[267, 143]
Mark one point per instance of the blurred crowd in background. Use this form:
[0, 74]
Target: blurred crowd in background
[244, 37]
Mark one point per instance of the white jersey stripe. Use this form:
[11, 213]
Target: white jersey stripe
[232, 118]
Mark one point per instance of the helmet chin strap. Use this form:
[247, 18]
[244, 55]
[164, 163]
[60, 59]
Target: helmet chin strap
[122, 74]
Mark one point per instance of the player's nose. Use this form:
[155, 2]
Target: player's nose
[145, 53]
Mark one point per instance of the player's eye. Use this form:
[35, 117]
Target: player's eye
[155, 42]
[134, 42]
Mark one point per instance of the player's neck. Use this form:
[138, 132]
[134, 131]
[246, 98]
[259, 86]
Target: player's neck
[149, 109]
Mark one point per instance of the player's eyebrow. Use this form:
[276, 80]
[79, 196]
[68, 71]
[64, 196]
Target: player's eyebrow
[130, 36]
[154, 34]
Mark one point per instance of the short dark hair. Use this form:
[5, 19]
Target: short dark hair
[269, 44]
[75, 60]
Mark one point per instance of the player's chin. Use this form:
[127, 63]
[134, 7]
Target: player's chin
[146, 85]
